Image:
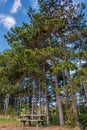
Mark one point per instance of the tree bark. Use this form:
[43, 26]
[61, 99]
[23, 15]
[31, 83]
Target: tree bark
[85, 90]
[65, 88]
[47, 104]
[59, 104]
[6, 103]
[58, 101]
[74, 108]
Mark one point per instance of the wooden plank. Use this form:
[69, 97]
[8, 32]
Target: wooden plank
[24, 120]
[30, 115]
[35, 120]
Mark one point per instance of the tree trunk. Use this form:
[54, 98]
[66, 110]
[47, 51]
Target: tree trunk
[47, 110]
[74, 108]
[47, 104]
[58, 101]
[59, 104]
[33, 95]
[65, 88]
[6, 103]
[85, 90]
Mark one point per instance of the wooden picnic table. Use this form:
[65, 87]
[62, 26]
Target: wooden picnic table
[31, 118]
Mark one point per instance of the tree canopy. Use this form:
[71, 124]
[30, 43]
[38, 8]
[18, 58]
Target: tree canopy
[51, 49]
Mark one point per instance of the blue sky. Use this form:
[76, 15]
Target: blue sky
[14, 12]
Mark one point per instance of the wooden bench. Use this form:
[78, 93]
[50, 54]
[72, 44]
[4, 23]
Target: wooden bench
[33, 120]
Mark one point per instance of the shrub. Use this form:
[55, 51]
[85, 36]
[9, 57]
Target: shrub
[54, 116]
[82, 116]
[11, 111]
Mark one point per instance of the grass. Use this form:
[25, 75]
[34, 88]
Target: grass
[8, 120]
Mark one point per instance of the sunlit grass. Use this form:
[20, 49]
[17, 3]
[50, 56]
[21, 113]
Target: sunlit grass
[8, 120]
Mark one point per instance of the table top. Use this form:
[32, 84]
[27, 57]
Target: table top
[31, 115]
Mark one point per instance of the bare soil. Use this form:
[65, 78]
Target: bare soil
[13, 127]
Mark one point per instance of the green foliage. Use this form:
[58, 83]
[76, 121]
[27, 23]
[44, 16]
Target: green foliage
[23, 110]
[1, 106]
[5, 120]
[54, 120]
[69, 116]
[11, 111]
[82, 116]
[56, 37]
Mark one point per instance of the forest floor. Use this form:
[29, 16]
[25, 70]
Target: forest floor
[7, 123]
[18, 127]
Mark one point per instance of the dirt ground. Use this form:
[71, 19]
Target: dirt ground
[11, 127]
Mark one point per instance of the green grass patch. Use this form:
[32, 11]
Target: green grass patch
[5, 120]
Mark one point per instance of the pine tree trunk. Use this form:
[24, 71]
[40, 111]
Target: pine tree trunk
[33, 93]
[59, 104]
[85, 90]
[74, 108]
[47, 104]
[6, 102]
[47, 110]
[58, 101]
[65, 89]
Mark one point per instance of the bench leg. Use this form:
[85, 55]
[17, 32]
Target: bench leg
[23, 123]
[29, 123]
[42, 123]
[37, 126]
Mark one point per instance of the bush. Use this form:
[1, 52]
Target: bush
[69, 116]
[1, 105]
[83, 117]
[11, 111]
[54, 116]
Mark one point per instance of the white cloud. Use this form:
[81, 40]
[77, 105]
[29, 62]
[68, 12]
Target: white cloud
[17, 4]
[7, 21]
